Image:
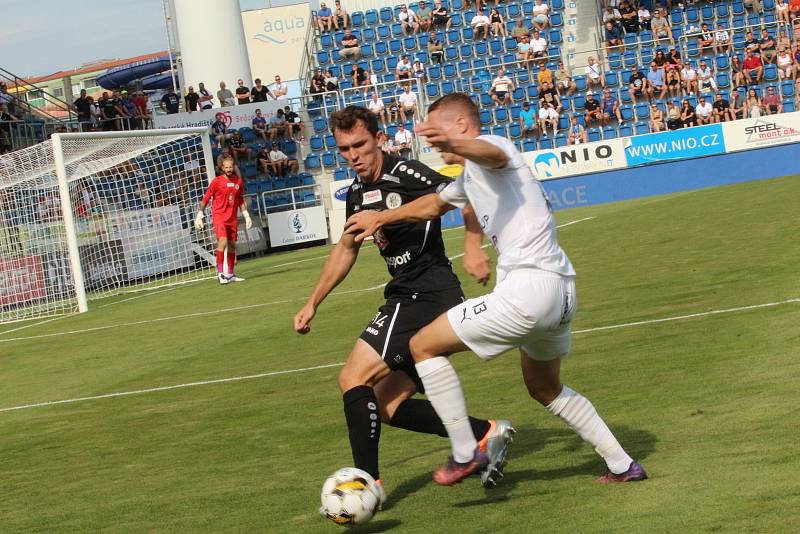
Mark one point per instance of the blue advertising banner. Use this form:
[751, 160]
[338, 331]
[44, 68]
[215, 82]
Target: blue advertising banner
[677, 144]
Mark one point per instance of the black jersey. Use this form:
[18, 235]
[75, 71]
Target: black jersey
[414, 252]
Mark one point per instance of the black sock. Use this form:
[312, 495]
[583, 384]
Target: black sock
[418, 415]
[364, 427]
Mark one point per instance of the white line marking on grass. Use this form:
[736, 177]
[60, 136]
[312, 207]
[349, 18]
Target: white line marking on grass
[326, 366]
[37, 323]
[168, 388]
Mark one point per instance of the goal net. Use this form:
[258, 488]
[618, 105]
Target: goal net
[93, 215]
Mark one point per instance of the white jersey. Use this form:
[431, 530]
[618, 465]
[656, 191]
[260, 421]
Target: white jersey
[513, 211]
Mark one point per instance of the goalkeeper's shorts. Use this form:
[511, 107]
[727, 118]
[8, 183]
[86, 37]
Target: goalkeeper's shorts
[226, 230]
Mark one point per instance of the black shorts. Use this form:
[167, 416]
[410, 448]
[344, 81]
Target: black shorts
[399, 319]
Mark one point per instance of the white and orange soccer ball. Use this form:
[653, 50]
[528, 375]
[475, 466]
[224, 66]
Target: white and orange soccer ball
[350, 497]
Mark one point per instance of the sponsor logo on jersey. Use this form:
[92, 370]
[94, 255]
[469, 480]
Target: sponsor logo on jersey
[396, 261]
[393, 201]
[390, 178]
[380, 239]
[441, 187]
[371, 197]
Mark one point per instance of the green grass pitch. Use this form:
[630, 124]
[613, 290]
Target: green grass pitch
[708, 403]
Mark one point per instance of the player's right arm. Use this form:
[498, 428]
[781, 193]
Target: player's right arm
[476, 261]
[480, 151]
[335, 270]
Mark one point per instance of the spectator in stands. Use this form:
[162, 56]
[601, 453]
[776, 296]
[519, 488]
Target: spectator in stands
[577, 133]
[674, 82]
[549, 95]
[498, 24]
[721, 109]
[540, 14]
[660, 59]
[424, 17]
[144, 111]
[612, 36]
[704, 111]
[564, 83]
[170, 102]
[260, 125]
[393, 110]
[341, 19]
[377, 107]
[408, 103]
[325, 20]
[545, 75]
[737, 72]
[656, 118]
[688, 114]
[755, 5]
[225, 96]
[278, 126]
[722, 40]
[674, 121]
[418, 70]
[612, 15]
[295, 124]
[706, 81]
[594, 74]
[609, 103]
[242, 93]
[520, 31]
[127, 120]
[281, 162]
[317, 86]
[548, 116]
[206, 98]
[782, 12]
[351, 49]
[538, 45]
[279, 89]
[644, 17]
[637, 84]
[674, 59]
[388, 146]
[751, 42]
[783, 41]
[408, 20]
[219, 131]
[705, 39]
[767, 47]
[661, 25]
[110, 111]
[330, 81]
[787, 70]
[772, 101]
[435, 49]
[524, 54]
[7, 99]
[591, 110]
[689, 77]
[403, 139]
[656, 82]
[403, 69]
[262, 157]
[259, 93]
[360, 76]
[794, 14]
[630, 17]
[753, 68]
[238, 147]
[480, 25]
[527, 121]
[191, 100]
[440, 16]
[5, 129]
[83, 108]
[501, 88]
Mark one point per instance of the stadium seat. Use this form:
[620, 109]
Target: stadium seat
[386, 14]
[448, 87]
[500, 129]
[738, 8]
[328, 159]
[545, 143]
[326, 40]
[722, 10]
[556, 20]
[612, 80]
[432, 90]
[312, 162]
[410, 43]
[641, 128]
[371, 17]
[580, 83]
[395, 46]
[787, 88]
[626, 112]
[529, 145]
[383, 32]
[500, 114]
[625, 130]
[788, 105]
[485, 116]
[357, 19]
[593, 134]
[770, 72]
[316, 143]
[610, 132]
[642, 111]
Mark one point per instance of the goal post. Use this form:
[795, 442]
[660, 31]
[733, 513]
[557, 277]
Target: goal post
[91, 215]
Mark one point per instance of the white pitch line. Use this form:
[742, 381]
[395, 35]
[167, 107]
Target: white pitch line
[329, 365]
[168, 388]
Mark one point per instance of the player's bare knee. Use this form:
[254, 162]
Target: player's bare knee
[419, 349]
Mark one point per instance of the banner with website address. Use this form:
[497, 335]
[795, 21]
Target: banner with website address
[677, 144]
[761, 132]
[570, 160]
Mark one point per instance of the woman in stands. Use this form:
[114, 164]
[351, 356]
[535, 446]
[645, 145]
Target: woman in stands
[656, 118]
[688, 115]
[737, 71]
[787, 70]
[753, 106]
[674, 121]
[783, 41]
[498, 24]
[674, 59]
[540, 15]
[782, 10]
[673, 81]
[660, 60]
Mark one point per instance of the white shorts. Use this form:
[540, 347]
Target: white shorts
[530, 309]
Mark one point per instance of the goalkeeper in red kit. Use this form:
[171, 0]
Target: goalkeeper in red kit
[227, 191]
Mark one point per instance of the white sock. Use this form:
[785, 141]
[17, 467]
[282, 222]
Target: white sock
[580, 415]
[444, 392]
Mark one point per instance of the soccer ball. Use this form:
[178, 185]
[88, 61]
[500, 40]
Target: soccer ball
[349, 497]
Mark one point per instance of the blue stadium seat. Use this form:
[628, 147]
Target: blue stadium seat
[529, 145]
[323, 57]
[514, 130]
[580, 83]
[788, 105]
[312, 162]
[556, 20]
[397, 30]
[357, 19]
[451, 53]
[316, 143]
[692, 15]
[642, 111]
[510, 44]
[486, 116]
[500, 129]
[367, 50]
[641, 128]
[787, 88]
[563, 122]
[383, 32]
[625, 130]
[410, 43]
[612, 80]
[722, 10]
[395, 46]
[386, 14]
[501, 114]
[545, 143]
[610, 132]
[770, 72]
[330, 142]
[557, 4]
[448, 87]
[371, 17]
[465, 50]
[593, 134]
[723, 80]
[481, 49]
[615, 61]
[738, 8]
[326, 40]
[626, 111]
[432, 90]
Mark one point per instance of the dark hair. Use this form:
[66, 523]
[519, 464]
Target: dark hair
[459, 99]
[348, 118]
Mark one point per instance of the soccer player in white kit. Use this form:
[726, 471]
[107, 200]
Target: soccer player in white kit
[533, 302]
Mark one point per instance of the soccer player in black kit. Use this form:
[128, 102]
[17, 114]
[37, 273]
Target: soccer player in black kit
[379, 378]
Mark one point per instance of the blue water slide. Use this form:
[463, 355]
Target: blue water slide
[148, 69]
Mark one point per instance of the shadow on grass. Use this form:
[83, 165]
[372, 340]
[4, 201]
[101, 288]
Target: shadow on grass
[380, 525]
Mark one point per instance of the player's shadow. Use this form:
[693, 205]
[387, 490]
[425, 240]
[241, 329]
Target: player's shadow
[379, 525]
